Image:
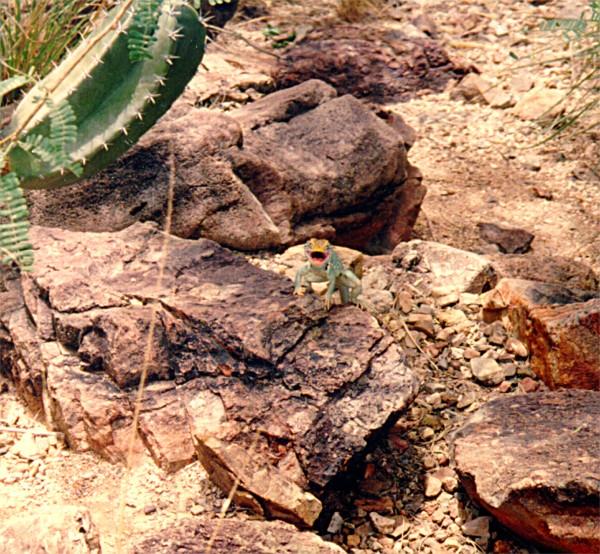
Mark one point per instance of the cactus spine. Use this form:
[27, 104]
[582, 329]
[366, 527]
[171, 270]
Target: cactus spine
[106, 94]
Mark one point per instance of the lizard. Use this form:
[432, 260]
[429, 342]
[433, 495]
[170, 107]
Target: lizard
[324, 266]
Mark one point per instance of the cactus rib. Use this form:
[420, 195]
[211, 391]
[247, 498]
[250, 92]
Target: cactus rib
[115, 99]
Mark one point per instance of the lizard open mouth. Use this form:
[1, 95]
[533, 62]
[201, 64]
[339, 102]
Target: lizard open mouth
[319, 258]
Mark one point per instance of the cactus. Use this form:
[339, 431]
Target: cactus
[106, 94]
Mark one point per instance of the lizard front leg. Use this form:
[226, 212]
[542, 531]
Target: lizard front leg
[330, 290]
[298, 289]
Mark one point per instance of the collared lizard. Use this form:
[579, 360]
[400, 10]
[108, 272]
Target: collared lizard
[325, 266]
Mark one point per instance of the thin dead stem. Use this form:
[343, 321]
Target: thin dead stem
[148, 352]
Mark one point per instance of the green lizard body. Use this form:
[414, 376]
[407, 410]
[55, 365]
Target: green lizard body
[325, 266]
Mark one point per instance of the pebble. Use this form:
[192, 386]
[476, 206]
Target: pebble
[433, 486]
[335, 524]
[516, 347]
[385, 525]
[487, 371]
[149, 509]
[478, 527]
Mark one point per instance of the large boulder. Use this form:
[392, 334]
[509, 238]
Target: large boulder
[297, 163]
[533, 462]
[233, 362]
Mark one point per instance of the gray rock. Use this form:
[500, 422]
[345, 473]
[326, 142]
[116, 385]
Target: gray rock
[437, 265]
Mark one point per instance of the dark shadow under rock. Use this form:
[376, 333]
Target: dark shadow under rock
[235, 357]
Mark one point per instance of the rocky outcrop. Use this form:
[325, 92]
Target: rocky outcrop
[559, 326]
[226, 536]
[532, 461]
[233, 362]
[297, 163]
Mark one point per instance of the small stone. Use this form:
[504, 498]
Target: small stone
[516, 347]
[478, 527]
[451, 317]
[504, 387]
[429, 461]
[433, 486]
[527, 384]
[470, 353]
[487, 371]
[353, 540]
[447, 477]
[385, 525]
[149, 509]
[426, 433]
[335, 525]
[402, 526]
[422, 322]
[197, 509]
[447, 300]
[466, 399]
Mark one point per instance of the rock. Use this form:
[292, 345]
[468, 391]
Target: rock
[487, 371]
[379, 67]
[303, 188]
[438, 265]
[433, 486]
[478, 527]
[272, 493]
[564, 342]
[60, 529]
[539, 103]
[253, 179]
[470, 88]
[384, 525]
[233, 535]
[548, 269]
[236, 358]
[516, 347]
[335, 524]
[558, 326]
[510, 241]
[532, 461]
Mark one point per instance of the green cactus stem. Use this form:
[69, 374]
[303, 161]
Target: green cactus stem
[111, 89]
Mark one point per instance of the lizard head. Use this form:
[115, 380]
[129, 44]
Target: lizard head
[318, 252]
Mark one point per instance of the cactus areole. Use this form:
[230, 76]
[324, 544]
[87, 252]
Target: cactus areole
[114, 100]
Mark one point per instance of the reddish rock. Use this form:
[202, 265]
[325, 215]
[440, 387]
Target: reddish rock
[533, 462]
[564, 342]
[560, 328]
[548, 269]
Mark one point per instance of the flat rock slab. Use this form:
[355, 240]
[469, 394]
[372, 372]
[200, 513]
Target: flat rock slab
[233, 356]
[533, 461]
[229, 536]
